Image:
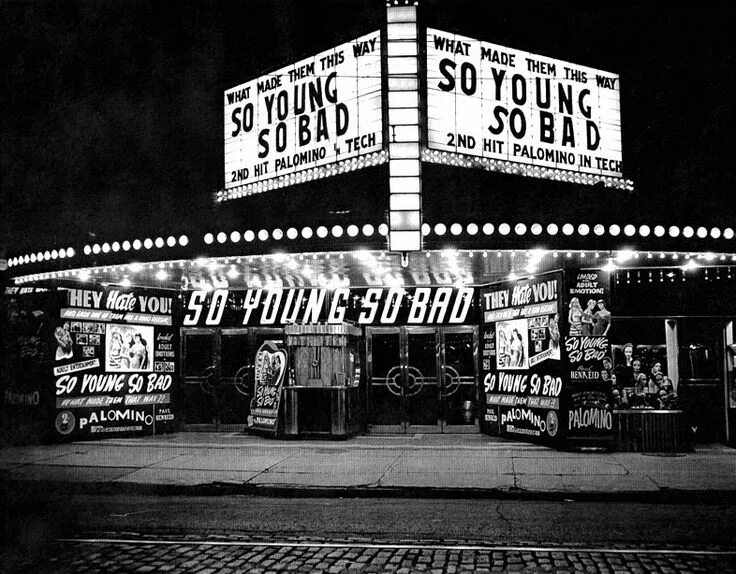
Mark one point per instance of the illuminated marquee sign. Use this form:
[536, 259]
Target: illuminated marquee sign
[372, 306]
[494, 102]
[318, 111]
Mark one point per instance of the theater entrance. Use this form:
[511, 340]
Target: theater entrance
[422, 379]
[218, 375]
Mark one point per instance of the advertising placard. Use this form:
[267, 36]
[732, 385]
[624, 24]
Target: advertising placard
[590, 405]
[521, 355]
[115, 362]
[270, 371]
[589, 296]
[312, 113]
[496, 102]
[588, 358]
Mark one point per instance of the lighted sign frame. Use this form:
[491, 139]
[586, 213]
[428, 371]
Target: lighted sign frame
[513, 108]
[294, 124]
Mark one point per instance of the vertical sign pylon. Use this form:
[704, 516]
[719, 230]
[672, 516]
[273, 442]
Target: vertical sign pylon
[404, 128]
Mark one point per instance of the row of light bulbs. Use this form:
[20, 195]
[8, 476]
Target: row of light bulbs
[368, 230]
[136, 244]
[434, 156]
[293, 233]
[86, 273]
[441, 229]
[615, 261]
[582, 229]
[505, 166]
[303, 176]
[97, 248]
[47, 255]
[671, 276]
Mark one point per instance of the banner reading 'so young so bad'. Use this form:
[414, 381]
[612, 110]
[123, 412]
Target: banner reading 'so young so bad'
[115, 362]
[521, 354]
[365, 306]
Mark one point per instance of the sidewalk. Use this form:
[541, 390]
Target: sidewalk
[370, 466]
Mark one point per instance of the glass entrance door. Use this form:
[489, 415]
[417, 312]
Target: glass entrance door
[200, 374]
[460, 384]
[386, 376]
[422, 379]
[421, 384]
[218, 375]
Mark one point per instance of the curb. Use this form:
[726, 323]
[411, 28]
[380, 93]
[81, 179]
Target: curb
[662, 496]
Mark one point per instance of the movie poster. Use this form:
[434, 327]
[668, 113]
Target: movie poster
[587, 357]
[513, 344]
[114, 368]
[521, 354]
[270, 373]
[589, 297]
[129, 348]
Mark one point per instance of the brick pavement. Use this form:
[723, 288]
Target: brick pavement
[260, 556]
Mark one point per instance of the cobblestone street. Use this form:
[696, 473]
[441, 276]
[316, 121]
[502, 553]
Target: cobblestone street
[259, 556]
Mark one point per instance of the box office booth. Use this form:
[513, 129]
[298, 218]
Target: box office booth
[324, 394]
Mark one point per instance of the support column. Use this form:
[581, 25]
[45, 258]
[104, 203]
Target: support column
[404, 128]
[673, 368]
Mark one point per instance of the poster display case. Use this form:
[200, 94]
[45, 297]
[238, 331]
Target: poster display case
[115, 362]
[521, 365]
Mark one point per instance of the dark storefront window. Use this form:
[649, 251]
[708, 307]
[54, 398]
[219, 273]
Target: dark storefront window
[674, 364]
[640, 373]
[218, 373]
[701, 365]
[199, 354]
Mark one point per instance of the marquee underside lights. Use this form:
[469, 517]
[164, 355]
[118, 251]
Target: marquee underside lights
[509, 167]
[311, 174]
[368, 268]
[656, 237]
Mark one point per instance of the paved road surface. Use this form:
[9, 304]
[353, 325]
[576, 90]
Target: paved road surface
[233, 555]
[63, 532]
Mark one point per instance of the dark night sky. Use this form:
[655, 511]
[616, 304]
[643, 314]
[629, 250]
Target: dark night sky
[111, 117]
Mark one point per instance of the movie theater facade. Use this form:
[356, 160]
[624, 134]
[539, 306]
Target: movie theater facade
[412, 256]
